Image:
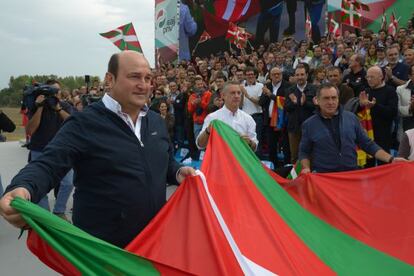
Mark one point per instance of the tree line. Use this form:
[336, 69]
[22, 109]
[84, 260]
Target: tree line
[12, 95]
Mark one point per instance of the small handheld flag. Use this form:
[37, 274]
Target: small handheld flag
[124, 37]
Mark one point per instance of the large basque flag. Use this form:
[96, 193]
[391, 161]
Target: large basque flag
[237, 218]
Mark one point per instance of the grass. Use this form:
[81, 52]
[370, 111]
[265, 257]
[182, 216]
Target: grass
[14, 114]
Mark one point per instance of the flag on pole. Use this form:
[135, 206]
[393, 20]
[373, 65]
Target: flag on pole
[124, 37]
[393, 26]
[360, 6]
[232, 32]
[237, 35]
[295, 171]
[349, 14]
[308, 27]
[204, 37]
[334, 28]
[383, 20]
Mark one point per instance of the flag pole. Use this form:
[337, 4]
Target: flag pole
[251, 46]
[195, 48]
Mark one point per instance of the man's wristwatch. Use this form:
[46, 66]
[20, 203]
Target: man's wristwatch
[391, 159]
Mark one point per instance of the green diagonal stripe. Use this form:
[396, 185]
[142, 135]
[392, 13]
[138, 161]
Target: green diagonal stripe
[91, 256]
[344, 254]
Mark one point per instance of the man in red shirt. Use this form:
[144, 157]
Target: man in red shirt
[198, 103]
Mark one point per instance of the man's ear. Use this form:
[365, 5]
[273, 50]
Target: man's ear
[110, 79]
[315, 100]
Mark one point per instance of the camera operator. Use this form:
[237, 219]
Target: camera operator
[5, 125]
[45, 119]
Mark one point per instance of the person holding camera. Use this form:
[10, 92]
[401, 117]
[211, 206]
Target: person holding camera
[5, 125]
[45, 119]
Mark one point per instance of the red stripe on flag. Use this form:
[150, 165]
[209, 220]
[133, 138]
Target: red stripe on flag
[338, 198]
[238, 9]
[49, 256]
[190, 235]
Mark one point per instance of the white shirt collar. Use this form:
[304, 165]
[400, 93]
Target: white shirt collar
[277, 86]
[229, 112]
[302, 88]
[113, 105]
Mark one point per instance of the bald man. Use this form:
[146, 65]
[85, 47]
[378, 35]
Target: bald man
[382, 100]
[121, 156]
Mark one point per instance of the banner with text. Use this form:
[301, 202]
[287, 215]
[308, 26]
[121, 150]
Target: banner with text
[166, 31]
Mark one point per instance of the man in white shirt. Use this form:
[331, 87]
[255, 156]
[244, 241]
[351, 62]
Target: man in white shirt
[252, 90]
[301, 58]
[230, 114]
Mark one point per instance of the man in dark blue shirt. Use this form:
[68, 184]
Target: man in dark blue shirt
[397, 72]
[120, 153]
[330, 137]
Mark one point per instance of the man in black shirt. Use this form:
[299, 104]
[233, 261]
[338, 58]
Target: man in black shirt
[299, 106]
[356, 77]
[382, 100]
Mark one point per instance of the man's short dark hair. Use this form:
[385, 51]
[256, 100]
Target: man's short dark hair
[113, 65]
[220, 75]
[303, 66]
[334, 68]
[326, 86]
[251, 69]
[360, 59]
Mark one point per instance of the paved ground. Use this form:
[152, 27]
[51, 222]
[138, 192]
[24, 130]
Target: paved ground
[15, 259]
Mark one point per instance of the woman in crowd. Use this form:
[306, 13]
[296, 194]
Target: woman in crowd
[163, 109]
[261, 71]
[371, 58]
[319, 76]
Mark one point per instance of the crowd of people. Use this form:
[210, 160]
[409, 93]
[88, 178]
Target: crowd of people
[281, 80]
[339, 105]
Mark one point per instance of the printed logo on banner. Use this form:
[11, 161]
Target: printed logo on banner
[161, 18]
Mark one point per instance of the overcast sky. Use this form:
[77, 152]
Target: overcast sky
[62, 37]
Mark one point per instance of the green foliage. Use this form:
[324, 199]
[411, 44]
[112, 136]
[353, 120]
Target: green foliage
[12, 95]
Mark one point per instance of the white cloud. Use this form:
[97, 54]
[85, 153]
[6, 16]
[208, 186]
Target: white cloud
[62, 37]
